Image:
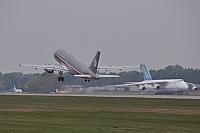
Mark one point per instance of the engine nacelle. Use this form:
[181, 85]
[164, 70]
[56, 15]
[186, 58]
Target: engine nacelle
[49, 70]
[156, 86]
[141, 87]
[194, 88]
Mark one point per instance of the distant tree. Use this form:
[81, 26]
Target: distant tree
[12, 79]
[173, 72]
[46, 82]
[1, 75]
[2, 81]
[43, 83]
[2, 84]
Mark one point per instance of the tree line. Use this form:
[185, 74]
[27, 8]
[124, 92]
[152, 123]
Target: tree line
[45, 82]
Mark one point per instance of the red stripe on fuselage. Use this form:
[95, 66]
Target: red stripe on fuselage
[63, 61]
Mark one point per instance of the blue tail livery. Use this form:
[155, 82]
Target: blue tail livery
[145, 72]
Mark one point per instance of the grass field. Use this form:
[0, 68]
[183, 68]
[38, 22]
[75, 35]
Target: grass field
[52, 114]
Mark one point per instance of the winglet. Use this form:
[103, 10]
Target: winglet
[145, 72]
[93, 66]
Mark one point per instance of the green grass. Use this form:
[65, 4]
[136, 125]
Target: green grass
[49, 114]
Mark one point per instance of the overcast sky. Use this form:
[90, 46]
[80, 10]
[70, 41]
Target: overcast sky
[127, 32]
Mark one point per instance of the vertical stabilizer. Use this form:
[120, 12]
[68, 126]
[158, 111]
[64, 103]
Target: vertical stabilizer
[14, 88]
[93, 66]
[145, 72]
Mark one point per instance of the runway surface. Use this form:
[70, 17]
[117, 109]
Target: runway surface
[100, 95]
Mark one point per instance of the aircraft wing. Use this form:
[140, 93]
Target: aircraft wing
[124, 85]
[109, 67]
[147, 82]
[150, 82]
[56, 67]
[108, 76]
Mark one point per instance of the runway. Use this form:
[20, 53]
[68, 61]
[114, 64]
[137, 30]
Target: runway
[120, 96]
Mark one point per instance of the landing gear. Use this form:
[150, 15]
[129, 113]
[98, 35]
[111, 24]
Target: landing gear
[87, 80]
[60, 78]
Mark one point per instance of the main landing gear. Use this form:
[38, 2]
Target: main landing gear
[60, 78]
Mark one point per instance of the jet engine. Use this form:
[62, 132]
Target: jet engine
[49, 70]
[194, 88]
[156, 86]
[141, 87]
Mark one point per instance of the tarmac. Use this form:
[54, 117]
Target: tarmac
[101, 95]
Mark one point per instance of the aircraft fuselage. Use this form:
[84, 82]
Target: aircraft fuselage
[171, 86]
[73, 64]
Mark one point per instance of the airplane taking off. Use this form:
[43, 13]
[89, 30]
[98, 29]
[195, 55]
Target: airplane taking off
[168, 86]
[69, 63]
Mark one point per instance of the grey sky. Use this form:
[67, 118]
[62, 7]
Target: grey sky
[127, 32]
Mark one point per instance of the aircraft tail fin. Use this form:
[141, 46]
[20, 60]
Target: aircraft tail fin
[145, 72]
[14, 88]
[93, 66]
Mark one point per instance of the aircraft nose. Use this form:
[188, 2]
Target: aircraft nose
[185, 86]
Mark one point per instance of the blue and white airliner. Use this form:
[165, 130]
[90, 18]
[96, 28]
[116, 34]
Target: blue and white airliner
[162, 86]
